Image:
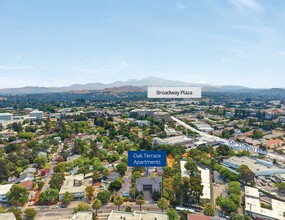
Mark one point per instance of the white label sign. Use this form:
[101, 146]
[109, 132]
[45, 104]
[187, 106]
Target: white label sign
[174, 92]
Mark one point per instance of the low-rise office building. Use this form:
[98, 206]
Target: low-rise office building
[74, 185]
[176, 140]
[254, 208]
[6, 117]
[37, 114]
[259, 167]
[82, 216]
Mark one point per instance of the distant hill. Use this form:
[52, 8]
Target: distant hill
[120, 86]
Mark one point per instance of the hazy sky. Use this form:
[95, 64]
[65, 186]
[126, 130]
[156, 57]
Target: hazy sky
[62, 42]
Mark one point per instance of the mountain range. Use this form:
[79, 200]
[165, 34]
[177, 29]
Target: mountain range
[123, 86]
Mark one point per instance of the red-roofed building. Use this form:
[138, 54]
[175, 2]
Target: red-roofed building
[29, 185]
[273, 143]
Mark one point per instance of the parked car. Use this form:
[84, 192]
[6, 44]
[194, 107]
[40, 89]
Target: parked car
[63, 206]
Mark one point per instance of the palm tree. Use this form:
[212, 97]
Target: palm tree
[140, 201]
[118, 201]
[209, 210]
[97, 204]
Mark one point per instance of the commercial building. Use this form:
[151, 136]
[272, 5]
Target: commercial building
[144, 112]
[162, 116]
[176, 140]
[142, 123]
[254, 208]
[259, 167]
[203, 127]
[82, 216]
[6, 117]
[37, 114]
[74, 185]
[7, 216]
[4, 189]
[137, 215]
[149, 185]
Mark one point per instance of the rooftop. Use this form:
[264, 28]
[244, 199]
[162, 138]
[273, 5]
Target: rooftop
[4, 189]
[69, 184]
[253, 204]
[259, 167]
[137, 215]
[7, 216]
[82, 216]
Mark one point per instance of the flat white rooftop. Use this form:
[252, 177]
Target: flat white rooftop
[253, 205]
[4, 189]
[137, 215]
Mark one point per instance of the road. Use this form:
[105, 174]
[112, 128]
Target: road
[62, 214]
[49, 174]
[202, 134]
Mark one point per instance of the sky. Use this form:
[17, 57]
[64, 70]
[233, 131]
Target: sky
[217, 42]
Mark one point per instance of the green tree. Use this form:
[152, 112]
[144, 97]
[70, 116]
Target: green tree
[281, 186]
[89, 192]
[122, 168]
[26, 135]
[118, 201]
[235, 216]
[140, 201]
[17, 212]
[81, 207]
[115, 185]
[96, 176]
[128, 209]
[246, 176]
[172, 214]
[209, 210]
[257, 134]
[30, 213]
[97, 204]
[40, 161]
[18, 195]
[57, 181]
[48, 196]
[4, 171]
[162, 204]
[234, 187]
[67, 198]
[104, 196]
[228, 205]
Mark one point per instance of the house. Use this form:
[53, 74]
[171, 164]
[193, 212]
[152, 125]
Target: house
[4, 189]
[29, 185]
[112, 176]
